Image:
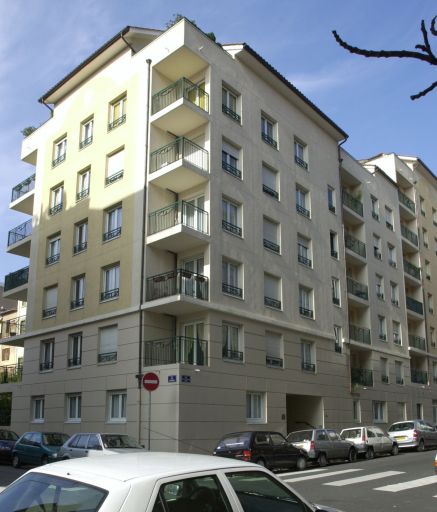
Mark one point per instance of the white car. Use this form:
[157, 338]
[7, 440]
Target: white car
[152, 482]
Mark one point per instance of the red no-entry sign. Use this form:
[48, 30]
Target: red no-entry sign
[150, 381]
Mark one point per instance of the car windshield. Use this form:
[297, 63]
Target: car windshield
[119, 441]
[298, 437]
[398, 427]
[7, 435]
[352, 433]
[54, 439]
[239, 441]
[36, 492]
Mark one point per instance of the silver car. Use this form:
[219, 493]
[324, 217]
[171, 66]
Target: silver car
[417, 434]
[93, 444]
[370, 441]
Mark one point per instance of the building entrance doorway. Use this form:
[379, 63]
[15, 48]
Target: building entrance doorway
[304, 411]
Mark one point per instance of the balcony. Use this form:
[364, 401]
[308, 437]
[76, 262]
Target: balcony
[361, 377]
[270, 191]
[409, 235]
[303, 211]
[53, 210]
[230, 113]
[414, 305]
[178, 226]
[177, 291]
[417, 342]
[117, 122]
[83, 194]
[180, 107]
[405, 201]
[111, 234]
[269, 140]
[12, 327]
[86, 142]
[352, 203]
[411, 270]
[176, 350]
[16, 284]
[355, 245]
[80, 247]
[22, 196]
[19, 239]
[117, 176]
[419, 376]
[274, 362]
[272, 303]
[231, 169]
[271, 246]
[231, 228]
[232, 290]
[59, 159]
[179, 166]
[77, 303]
[359, 334]
[357, 289]
[11, 373]
[232, 355]
[303, 260]
[300, 162]
[54, 258]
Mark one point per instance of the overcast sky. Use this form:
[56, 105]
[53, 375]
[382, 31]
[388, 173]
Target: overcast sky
[42, 40]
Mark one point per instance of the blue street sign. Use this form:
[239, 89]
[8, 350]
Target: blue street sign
[172, 378]
[186, 378]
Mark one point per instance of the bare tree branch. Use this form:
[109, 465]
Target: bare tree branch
[433, 29]
[424, 92]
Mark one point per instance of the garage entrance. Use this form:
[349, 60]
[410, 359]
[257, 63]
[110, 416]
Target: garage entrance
[304, 411]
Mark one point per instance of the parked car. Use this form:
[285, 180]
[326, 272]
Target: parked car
[7, 443]
[153, 482]
[417, 434]
[370, 441]
[269, 449]
[37, 448]
[322, 445]
[93, 444]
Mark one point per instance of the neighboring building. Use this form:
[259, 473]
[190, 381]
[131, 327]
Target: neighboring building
[200, 236]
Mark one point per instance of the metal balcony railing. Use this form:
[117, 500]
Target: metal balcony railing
[11, 373]
[303, 211]
[406, 201]
[272, 246]
[411, 269]
[272, 303]
[358, 289]
[417, 342]
[309, 313]
[229, 112]
[301, 162]
[176, 350]
[274, 362]
[419, 376]
[362, 377]
[304, 260]
[177, 282]
[82, 194]
[12, 326]
[77, 303]
[183, 88]
[117, 122]
[355, 245]
[48, 312]
[22, 188]
[269, 140]
[360, 334]
[85, 142]
[17, 278]
[231, 169]
[409, 235]
[74, 361]
[20, 232]
[107, 357]
[59, 159]
[232, 290]
[176, 150]
[231, 228]
[54, 258]
[234, 355]
[56, 208]
[308, 367]
[174, 214]
[270, 191]
[414, 305]
[45, 365]
[113, 233]
[80, 247]
[109, 180]
[352, 202]
[109, 294]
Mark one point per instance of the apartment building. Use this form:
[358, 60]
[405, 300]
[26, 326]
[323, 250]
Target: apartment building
[188, 214]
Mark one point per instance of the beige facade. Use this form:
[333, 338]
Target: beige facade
[201, 235]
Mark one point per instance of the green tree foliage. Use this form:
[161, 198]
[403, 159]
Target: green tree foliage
[28, 130]
[178, 16]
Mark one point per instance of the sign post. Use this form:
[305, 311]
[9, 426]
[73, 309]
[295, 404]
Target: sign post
[150, 383]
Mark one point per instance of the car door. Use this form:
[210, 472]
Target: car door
[34, 448]
[95, 448]
[262, 448]
[323, 444]
[339, 448]
[283, 453]
[22, 448]
[384, 442]
[372, 439]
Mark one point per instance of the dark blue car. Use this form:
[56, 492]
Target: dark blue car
[7, 443]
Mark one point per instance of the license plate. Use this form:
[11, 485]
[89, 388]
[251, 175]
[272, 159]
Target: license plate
[400, 438]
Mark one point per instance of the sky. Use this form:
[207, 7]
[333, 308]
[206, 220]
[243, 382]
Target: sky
[43, 40]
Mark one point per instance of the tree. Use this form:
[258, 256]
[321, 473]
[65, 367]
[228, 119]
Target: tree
[178, 16]
[424, 53]
[28, 130]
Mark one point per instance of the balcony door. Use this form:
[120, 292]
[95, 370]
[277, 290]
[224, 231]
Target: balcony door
[192, 350]
[192, 280]
[193, 213]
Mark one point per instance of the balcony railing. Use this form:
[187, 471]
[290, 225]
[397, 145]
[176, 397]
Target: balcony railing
[272, 246]
[406, 201]
[358, 289]
[177, 282]
[304, 260]
[54, 258]
[80, 247]
[409, 235]
[414, 305]
[272, 303]
[113, 233]
[274, 362]
[56, 208]
[176, 150]
[309, 313]
[20, 232]
[362, 377]
[17, 278]
[183, 88]
[12, 327]
[232, 290]
[45, 365]
[301, 162]
[229, 112]
[117, 122]
[109, 294]
[419, 376]
[22, 188]
[270, 191]
[176, 350]
[308, 367]
[109, 180]
[352, 202]
[231, 228]
[411, 269]
[77, 303]
[233, 355]
[59, 159]
[178, 213]
[303, 211]
[417, 342]
[360, 334]
[231, 169]
[85, 142]
[269, 140]
[82, 194]
[48, 312]
[74, 361]
[355, 245]
[107, 357]
[11, 373]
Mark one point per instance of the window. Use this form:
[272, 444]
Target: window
[231, 278]
[114, 167]
[56, 199]
[338, 339]
[53, 249]
[335, 290]
[117, 406]
[378, 411]
[394, 294]
[255, 407]
[356, 411]
[270, 181]
[382, 328]
[300, 154]
[399, 372]
[108, 344]
[47, 354]
[231, 217]
[306, 302]
[231, 342]
[391, 249]
[419, 411]
[271, 235]
[425, 237]
[375, 207]
[389, 222]
[432, 336]
[308, 358]
[80, 237]
[397, 338]
[379, 286]
[268, 129]
[83, 184]
[74, 405]
[331, 199]
[110, 282]
[401, 409]
[274, 350]
[74, 350]
[6, 354]
[384, 370]
[427, 270]
[377, 247]
[304, 251]
[117, 112]
[77, 292]
[272, 291]
[430, 303]
[113, 218]
[86, 133]
[50, 301]
[230, 159]
[333, 244]
[37, 409]
[303, 201]
[230, 104]
[59, 151]
[422, 206]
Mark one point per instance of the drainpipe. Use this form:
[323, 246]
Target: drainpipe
[143, 253]
[48, 106]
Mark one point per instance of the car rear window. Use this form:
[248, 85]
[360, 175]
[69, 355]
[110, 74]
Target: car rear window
[119, 441]
[235, 442]
[7, 435]
[351, 433]
[398, 427]
[54, 439]
[298, 437]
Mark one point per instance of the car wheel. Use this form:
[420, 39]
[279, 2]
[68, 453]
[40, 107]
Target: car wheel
[322, 461]
[370, 454]
[44, 460]
[16, 461]
[421, 446]
[301, 463]
[352, 457]
[395, 449]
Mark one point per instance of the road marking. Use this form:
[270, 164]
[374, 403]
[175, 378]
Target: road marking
[1, 488]
[408, 485]
[315, 470]
[311, 477]
[365, 478]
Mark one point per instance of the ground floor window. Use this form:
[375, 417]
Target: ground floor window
[117, 406]
[38, 409]
[74, 406]
[255, 407]
[378, 411]
[357, 411]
